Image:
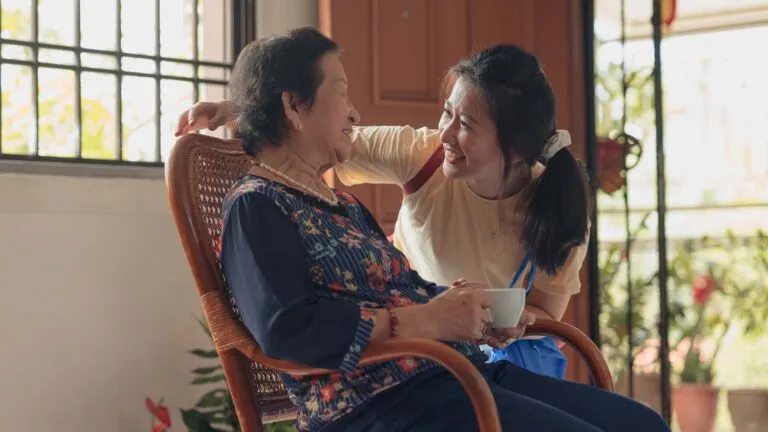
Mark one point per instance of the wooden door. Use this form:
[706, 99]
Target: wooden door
[397, 51]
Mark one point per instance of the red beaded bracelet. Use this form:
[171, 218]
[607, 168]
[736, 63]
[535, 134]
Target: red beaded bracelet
[394, 323]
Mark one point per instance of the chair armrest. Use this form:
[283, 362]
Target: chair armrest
[581, 343]
[229, 334]
[465, 372]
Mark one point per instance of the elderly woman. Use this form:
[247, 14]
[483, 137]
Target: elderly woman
[315, 280]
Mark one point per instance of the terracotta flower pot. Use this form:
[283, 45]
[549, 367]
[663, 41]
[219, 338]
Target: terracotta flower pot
[749, 409]
[646, 389]
[695, 406]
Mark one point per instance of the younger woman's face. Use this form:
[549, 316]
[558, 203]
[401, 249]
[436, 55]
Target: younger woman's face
[469, 136]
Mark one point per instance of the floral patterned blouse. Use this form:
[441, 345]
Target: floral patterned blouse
[304, 276]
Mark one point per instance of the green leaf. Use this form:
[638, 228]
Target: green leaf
[212, 399]
[204, 326]
[208, 379]
[206, 370]
[196, 422]
[204, 353]
[285, 426]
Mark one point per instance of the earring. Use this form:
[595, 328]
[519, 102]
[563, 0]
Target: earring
[300, 127]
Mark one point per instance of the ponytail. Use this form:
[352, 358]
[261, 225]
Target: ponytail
[558, 213]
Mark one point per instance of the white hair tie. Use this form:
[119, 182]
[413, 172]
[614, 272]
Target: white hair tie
[560, 140]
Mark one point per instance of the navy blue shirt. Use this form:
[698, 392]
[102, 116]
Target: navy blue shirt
[305, 276]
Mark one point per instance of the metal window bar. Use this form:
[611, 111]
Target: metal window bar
[625, 195]
[593, 261]
[244, 28]
[243, 19]
[158, 86]
[1, 80]
[661, 204]
[35, 76]
[78, 91]
[119, 80]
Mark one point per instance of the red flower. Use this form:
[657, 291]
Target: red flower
[703, 285]
[376, 278]
[408, 364]
[328, 392]
[395, 267]
[217, 247]
[160, 412]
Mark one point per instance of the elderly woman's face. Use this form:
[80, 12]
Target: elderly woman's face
[328, 123]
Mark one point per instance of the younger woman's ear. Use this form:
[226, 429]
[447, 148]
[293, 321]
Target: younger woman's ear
[290, 107]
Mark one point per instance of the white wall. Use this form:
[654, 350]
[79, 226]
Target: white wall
[97, 303]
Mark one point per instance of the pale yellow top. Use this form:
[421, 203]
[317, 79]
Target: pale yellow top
[446, 231]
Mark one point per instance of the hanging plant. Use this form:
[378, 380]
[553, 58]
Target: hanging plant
[610, 160]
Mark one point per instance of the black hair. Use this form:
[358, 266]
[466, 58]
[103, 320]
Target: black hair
[522, 105]
[263, 71]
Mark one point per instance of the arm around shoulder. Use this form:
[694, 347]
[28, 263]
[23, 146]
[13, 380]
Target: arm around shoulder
[387, 154]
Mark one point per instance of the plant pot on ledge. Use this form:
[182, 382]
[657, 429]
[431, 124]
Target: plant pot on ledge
[695, 406]
[646, 388]
[749, 409]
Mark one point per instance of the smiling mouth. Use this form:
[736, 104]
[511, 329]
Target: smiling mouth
[452, 155]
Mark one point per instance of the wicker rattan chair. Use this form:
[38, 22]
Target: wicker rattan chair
[200, 171]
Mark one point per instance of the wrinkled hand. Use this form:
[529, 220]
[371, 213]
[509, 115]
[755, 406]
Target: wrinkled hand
[211, 115]
[461, 313]
[501, 338]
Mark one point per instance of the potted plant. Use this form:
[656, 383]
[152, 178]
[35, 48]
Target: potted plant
[700, 329]
[615, 334]
[748, 406]
[725, 289]
[214, 411]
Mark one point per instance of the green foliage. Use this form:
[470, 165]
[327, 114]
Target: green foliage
[215, 408]
[215, 411]
[56, 113]
[615, 304]
[285, 426]
[696, 370]
[609, 101]
[737, 264]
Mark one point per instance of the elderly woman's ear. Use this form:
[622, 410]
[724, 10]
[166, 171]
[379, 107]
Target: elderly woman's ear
[291, 108]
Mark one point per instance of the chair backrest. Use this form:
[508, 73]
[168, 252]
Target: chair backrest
[199, 173]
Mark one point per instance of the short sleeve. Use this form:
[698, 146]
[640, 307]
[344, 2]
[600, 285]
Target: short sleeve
[566, 281]
[267, 271]
[387, 154]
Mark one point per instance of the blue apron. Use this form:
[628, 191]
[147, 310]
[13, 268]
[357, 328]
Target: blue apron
[541, 356]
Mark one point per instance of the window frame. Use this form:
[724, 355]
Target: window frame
[239, 23]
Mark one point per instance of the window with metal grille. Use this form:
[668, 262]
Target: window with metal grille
[105, 80]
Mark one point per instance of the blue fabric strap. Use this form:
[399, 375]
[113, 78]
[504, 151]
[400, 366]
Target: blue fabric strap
[541, 356]
[520, 270]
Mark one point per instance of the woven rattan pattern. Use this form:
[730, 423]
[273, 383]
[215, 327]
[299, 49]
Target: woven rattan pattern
[213, 175]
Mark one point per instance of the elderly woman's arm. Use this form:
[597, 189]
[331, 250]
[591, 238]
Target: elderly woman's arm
[267, 271]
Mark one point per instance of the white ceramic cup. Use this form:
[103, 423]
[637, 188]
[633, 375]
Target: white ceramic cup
[506, 306]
